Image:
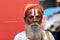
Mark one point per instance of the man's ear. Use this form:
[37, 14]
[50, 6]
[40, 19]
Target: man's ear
[25, 19]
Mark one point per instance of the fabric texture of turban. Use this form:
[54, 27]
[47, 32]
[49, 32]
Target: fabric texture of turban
[30, 6]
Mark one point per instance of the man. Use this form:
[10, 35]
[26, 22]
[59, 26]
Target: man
[33, 18]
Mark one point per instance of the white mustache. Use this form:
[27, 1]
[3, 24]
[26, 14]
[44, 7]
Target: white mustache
[34, 26]
[31, 31]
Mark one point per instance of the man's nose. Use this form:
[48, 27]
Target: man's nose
[34, 20]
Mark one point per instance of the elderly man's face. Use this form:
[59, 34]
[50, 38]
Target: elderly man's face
[33, 16]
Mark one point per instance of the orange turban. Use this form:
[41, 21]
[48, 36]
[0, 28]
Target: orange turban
[29, 6]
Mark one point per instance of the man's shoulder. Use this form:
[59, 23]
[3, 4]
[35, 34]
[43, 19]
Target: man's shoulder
[20, 35]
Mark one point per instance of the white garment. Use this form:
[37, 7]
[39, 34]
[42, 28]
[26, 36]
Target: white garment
[22, 36]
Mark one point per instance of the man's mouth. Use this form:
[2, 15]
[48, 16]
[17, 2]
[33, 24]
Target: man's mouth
[35, 27]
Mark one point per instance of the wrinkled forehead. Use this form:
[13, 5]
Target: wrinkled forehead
[34, 11]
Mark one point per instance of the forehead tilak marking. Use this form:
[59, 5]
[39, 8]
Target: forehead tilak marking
[34, 11]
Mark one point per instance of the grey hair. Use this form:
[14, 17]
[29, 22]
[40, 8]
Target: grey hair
[34, 33]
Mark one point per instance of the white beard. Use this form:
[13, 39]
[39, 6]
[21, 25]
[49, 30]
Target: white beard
[34, 33]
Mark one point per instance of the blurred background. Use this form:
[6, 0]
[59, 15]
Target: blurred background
[12, 13]
[51, 20]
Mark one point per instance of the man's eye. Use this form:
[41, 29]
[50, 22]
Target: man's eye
[31, 17]
[37, 16]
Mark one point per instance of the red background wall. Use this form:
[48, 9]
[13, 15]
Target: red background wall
[11, 17]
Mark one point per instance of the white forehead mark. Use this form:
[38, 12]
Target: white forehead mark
[33, 14]
[34, 11]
